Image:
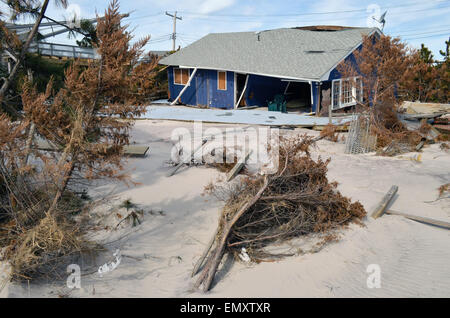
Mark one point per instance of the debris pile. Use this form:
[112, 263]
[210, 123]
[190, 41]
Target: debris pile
[390, 133]
[434, 116]
[329, 132]
[260, 210]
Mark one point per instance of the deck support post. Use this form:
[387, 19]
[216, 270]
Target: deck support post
[243, 92]
[185, 87]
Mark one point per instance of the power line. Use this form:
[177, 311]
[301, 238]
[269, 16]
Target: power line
[341, 18]
[421, 29]
[437, 31]
[429, 36]
[303, 14]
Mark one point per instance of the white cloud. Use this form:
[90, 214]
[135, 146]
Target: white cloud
[209, 6]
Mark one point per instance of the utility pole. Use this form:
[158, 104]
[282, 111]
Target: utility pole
[174, 34]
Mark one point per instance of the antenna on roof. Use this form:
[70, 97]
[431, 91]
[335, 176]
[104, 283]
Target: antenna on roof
[381, 20]
[258, 33]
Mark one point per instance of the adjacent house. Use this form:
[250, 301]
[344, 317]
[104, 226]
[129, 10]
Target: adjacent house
[232, 70]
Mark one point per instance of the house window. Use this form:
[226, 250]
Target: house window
[336, 94]
[347, 97]
[222, 80]
[346, 92]
[180, 76]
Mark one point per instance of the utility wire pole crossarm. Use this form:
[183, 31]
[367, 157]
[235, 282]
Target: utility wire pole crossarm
[174, 34]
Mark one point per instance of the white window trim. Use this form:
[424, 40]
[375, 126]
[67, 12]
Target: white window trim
[340, 103]
[179, 68]
[226, 83]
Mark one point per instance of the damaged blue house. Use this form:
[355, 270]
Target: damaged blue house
[242, 69]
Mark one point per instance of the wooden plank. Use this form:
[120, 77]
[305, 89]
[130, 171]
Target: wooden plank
[135, 151]
[421, 219]
[238, 167]
[422, 116]
[139, 151]
[381, 208]
[45, 145]
[243, 92]
[342, 128]
[445, 129]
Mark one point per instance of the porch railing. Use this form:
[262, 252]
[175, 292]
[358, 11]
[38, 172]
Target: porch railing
[63, 50]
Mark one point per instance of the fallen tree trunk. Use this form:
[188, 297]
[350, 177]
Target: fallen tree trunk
[202, 258]
[210, 269]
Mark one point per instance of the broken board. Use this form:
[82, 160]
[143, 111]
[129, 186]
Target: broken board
[381, 208]
[238, 167]
[421, 219]
[132, 151]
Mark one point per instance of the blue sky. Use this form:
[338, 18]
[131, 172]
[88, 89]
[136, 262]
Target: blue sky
[415, 21]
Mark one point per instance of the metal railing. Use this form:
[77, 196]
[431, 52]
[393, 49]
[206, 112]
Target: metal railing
[63, 50]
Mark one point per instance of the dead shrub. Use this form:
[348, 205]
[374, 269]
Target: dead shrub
[390, 130]
[444, 189]
[330, 133]
[297, 201]
[42, 250]
[261, 210]
[38, 244]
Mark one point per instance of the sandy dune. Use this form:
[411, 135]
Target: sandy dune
[158, 256]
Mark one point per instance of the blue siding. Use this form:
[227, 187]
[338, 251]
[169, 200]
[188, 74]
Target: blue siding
[203, 90]
[201, 80]
[221, 98]
[189, 96]
[351, 58]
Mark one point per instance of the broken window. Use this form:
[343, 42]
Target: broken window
[347, 97]
[346, 92]
[180, 76]
[222, 80]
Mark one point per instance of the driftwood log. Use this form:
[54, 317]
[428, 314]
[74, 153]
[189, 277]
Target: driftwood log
[202, 258]
[209, 271]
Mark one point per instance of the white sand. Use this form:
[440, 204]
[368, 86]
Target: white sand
[158, 256]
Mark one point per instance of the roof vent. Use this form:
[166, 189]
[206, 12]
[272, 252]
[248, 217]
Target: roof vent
[314, 52]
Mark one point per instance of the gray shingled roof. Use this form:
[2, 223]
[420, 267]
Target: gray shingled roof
[284, 53]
